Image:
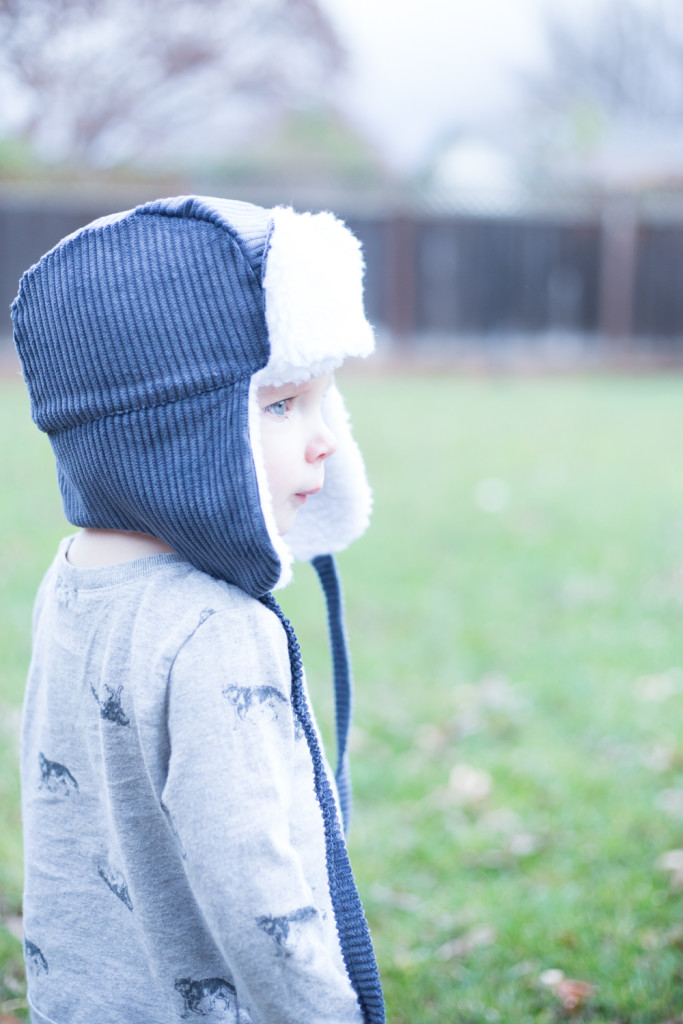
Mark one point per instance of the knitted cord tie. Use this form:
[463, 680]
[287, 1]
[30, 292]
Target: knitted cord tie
[352, 928]
[326, 569]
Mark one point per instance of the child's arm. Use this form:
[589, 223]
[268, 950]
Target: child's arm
[240, 795]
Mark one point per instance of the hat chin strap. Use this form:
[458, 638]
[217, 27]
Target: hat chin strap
[352, 928]
[326, 569]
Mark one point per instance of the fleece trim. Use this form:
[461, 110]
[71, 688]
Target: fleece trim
[313, 285]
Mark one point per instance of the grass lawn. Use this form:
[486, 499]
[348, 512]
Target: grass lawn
[514, 615]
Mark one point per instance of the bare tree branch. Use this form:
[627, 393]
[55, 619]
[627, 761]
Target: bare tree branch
[628, 60]
[106, 79]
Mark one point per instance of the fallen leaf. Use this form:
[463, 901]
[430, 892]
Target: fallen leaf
[674, 936]
[672, 861]
[404, 959]
[469, 785]
[393, 898]
[7, 1008]
[573, 994]
[432, 738]
[15, 926]
[482, 935]
[523, 844]
[551, 977]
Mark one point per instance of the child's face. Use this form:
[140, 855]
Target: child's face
[296, 441]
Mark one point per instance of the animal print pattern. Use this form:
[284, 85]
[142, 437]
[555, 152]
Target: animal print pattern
[205, 614]
[66, 595]
[110, 708]
[245, 698]
[55, 777]
[116, 882]
[35, 961]
[286, 930]
[209, 997]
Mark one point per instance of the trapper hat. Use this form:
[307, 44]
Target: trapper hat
[143, 338]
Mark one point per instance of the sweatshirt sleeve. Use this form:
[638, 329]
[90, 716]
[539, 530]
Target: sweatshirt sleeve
[232, 795]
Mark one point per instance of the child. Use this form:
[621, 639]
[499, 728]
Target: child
[183, 850]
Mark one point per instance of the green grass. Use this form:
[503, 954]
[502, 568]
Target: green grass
[514, 615]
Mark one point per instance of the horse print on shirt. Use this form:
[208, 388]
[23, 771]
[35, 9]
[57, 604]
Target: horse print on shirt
[245, 698]
[209, 997]
[35, 961]
[55, 777]
[116, 882]
[110, 707]
[285, 930]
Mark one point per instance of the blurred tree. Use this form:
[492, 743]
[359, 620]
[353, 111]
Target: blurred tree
[104, 81]
[610, 91]
[625, 60]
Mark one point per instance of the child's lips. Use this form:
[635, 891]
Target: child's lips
[302, 495]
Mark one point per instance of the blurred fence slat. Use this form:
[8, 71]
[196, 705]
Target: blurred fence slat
[612, 276]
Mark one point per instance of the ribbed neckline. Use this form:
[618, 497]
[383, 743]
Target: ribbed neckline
[112, 575]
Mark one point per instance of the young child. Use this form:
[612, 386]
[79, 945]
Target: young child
[184, 853]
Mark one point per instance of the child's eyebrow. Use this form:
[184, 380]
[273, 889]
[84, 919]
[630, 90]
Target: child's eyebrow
[286, 390]
[273, 392]
[270, 393]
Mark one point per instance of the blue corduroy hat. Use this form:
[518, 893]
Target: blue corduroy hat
[143, 339]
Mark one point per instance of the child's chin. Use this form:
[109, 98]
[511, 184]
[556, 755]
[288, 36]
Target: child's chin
[285, 525]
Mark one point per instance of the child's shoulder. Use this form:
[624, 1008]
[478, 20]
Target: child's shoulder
[187, 596]
[163, 598]
[204, 624]
[186, 604]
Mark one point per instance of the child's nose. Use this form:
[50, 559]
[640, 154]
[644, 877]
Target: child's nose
[322, 445]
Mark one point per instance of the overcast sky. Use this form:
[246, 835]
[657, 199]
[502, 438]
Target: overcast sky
[419, 68]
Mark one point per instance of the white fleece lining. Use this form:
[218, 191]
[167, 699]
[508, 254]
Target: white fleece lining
[281, 549]
[313, 284]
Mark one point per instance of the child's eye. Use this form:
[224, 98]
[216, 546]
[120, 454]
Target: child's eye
[279, 408]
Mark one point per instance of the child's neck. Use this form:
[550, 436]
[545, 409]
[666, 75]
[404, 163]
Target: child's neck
[94, 549]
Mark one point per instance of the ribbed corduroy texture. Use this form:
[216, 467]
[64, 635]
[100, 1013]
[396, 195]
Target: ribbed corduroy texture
[326, 569]
[354, 936]
[138, 337]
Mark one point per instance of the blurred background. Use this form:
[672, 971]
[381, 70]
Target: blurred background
[514, 170]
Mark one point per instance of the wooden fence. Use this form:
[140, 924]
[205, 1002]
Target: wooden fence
[611, 275]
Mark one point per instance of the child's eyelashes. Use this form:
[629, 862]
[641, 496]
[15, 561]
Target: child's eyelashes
[280, 408]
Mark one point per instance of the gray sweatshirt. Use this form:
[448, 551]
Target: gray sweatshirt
[174, 845]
